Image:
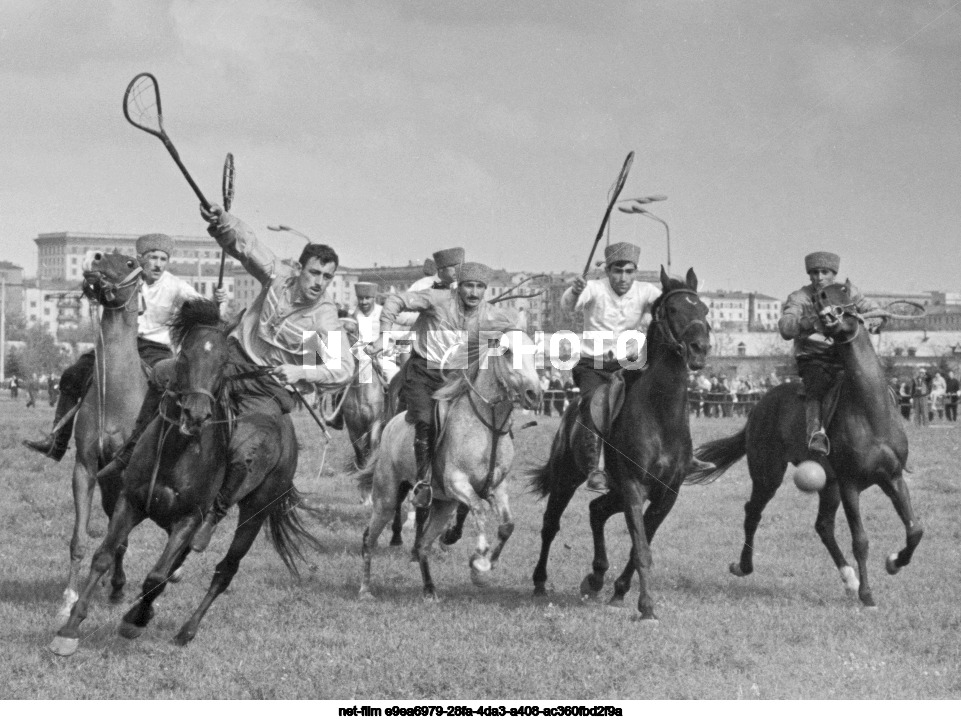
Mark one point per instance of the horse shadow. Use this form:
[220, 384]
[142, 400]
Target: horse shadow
[28, 592]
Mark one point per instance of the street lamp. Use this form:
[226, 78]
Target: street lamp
[633, 205]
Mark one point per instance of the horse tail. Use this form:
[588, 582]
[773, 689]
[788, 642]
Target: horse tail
[365, 475]
[286, 529]
[723, 453]
[545, 479]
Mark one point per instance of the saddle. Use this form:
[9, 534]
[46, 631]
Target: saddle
[603, 405]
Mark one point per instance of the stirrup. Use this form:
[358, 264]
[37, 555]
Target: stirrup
[597, 481]
[820, 443]
[422, 495]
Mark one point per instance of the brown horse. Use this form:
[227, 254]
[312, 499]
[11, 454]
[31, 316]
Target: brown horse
[109, 409]
[178, 467]
[868, 447]
[647, 450]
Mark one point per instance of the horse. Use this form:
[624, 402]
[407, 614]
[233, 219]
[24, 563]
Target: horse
[179, 465]
[109, 410]
[363, 410]
[473, 454]
[647, 449]
[868, 446]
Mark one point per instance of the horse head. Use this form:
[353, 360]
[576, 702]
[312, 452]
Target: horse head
[513, 362]
[838, 313]
[199, 369]
[111, 279]
[680, 317]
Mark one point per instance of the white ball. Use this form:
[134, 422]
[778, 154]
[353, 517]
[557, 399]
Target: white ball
[810, 477]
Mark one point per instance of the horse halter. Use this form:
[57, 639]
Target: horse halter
[665, 326]
[198, 391]
[108, 291]
[834, 313]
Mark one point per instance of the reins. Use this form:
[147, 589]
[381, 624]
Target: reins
[497, 431]
[664, 326]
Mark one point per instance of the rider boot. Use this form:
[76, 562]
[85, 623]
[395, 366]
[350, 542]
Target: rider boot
[54, 445]
[597, 479]
[817, 438]
[422, 494]
[148, 409]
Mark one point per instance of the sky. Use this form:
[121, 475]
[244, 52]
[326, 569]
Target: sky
[392, 129]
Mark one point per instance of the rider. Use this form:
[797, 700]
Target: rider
[163, 293]
[446, 315]
[818, 361]
[367, 316]
[611, 305]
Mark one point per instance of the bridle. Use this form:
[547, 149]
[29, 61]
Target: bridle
[834, 315]
[107, 291]
[664, 325]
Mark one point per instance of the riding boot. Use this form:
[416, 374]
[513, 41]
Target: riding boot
[148, 409]
[336, 422]
[54, 445]
[422, 494]
[222, 503]
[817, 438]
[597, 479]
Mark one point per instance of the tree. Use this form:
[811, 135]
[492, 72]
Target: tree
[41, 355]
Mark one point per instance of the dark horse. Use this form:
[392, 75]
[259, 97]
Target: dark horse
[868, 447]
[179, 465]
[647, 450]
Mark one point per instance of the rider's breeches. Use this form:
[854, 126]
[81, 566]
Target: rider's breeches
[817, 376]
[421, 383]
[587, 377]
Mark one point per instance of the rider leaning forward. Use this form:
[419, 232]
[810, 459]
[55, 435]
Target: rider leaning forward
[445, 317]
[162, 293]
[283, 329]
[818, 361]
[611, 305]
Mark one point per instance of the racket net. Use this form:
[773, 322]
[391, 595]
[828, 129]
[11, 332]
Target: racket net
[141, 104]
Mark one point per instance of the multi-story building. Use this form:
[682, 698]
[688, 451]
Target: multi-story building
[195, 259]
[735, 310]
[12, 281]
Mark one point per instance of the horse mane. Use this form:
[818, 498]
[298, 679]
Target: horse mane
[194, 312]
[459, 383]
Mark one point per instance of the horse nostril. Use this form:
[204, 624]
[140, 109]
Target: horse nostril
[531, 398]
[97, 256]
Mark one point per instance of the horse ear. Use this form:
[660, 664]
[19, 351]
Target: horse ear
[847, 284]
[691, 279]
[664, 278]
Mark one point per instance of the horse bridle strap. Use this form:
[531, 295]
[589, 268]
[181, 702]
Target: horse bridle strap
[665, 326]
[109, 290]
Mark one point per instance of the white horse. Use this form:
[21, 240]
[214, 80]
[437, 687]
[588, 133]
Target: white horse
[473, 454]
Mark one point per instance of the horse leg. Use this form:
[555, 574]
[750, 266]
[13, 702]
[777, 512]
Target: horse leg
[397, 525]
[83, 485]
[454, 532]
[501, 506]
[421, 515]
[764, 484]
[601, 509]
[897, 491]
[850, 499]
[381, 514]
[634, 496]
[439, 515]
[249, 524]
[109, 496]
[657, 510]
[174, 553]
[824, 526]
[122, 522]
[556, 503]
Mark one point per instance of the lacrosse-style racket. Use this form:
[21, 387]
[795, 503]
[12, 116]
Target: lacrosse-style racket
[899, 310]
[615, 192]
[227, 186]
[141, 107]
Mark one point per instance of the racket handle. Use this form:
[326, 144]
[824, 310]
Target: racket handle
[223, 262]
[176, 156]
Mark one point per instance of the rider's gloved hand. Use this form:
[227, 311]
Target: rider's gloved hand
[578, 285]
[221, 295]
[808, 323]
[211, 215]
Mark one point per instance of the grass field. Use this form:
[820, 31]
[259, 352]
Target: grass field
[787, 632]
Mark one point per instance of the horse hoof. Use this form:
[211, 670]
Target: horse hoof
[650, 620]
[480, 578]
[396, 541]
[130, 631]
[449, 538]
[891, 565]
[850, 580]
[184, 637]
[540, 592]
[431, 597]
[615, 604]
[365, 595]
[64, 646]
[588, 592]
[735, 569]
[873, 608]
[117, 596]
[177, 576]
